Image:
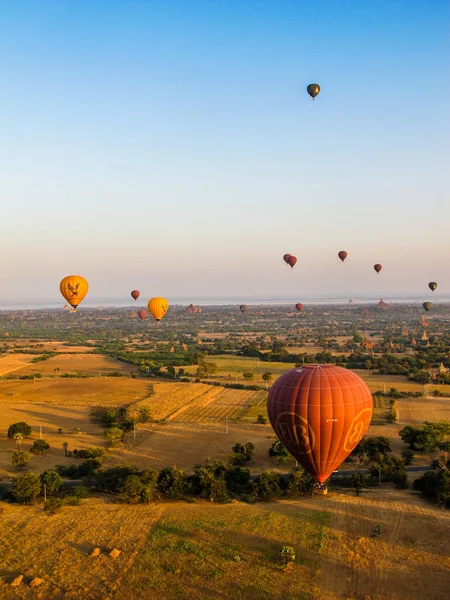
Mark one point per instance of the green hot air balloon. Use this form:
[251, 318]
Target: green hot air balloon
[243, 308]
[427, 306]
[432, 285]
[313, 89]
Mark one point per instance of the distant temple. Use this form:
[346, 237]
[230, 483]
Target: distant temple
[350, 301]
[382, 304]
[424, 322]
[424, 335]
[192, 310]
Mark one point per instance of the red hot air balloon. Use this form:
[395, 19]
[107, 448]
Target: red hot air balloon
[286, 258]
[142, 314]
[135, 294]
[342, 255]
[320, 413]
[377, 267]
[299, 306]
[292, 261]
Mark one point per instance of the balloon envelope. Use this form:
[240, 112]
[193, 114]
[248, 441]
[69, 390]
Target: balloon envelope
[427, 306]
[135, 294]
[243, 308]
[432, 285]
[299, 306]
[313, 89]
[74, 288]
[377, 267]
[158, 307]
[286, 258]
[320, 413]
[342, 255]
[142, 314]
[292, 261]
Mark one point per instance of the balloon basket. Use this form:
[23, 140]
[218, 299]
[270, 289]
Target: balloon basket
[320, 490]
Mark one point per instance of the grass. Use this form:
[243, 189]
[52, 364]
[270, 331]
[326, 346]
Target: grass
[231, 551]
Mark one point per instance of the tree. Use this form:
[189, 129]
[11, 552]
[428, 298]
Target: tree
[413, 436]
[267, 486]
[173, 483]
[21, 427]
[299, 482]
[261, 419]
[145, 414]
[18, 439]
[26, 487]
[52, 482]
[65, 446]
[131, 490]
[248, 374]
[436, 435]
[358, 481]
[279, 452]
[114, 435]
[110, 416]
[20, 459]
[39, 447]
[242, 453]
[267, 377]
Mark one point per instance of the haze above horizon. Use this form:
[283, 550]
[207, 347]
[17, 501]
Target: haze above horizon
[171, 147]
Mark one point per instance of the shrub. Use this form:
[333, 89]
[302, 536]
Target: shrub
[21, 427]
[53, 505]
[51, 480]
[39, 447]
[261, 419]
[207, 484]
[110, 416]
[25, 487]
[114, 435]
[99, 453]
[145, 415]
[287, 554]
[20, 459]
[112, 480]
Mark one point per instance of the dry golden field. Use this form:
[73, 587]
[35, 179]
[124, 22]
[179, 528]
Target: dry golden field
[14, 362]
[77, 363]
[203, 550]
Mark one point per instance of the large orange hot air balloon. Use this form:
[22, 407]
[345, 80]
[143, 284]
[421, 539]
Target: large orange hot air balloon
[286, 258]
[142, 314]
[377, 267]
[320, 413]
[291, 261]
[299, 306]
[158, 307]
[74, 288]
[135, 294]
[342, 255]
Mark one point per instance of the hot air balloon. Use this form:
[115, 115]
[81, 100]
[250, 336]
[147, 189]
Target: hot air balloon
[74, 288]
[142, 314]
[432, 285]
[377, 267]
[342, 255]
[286, 258]
[158, 307]
[135, 294]
[299, 306]
[320, 413]
[427, 306]
[291, 261]
[313, 89]
[243, 308]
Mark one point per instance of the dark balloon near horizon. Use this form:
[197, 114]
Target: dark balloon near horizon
[135, 294]
[377, 267]
[342, 255]
[313, 90]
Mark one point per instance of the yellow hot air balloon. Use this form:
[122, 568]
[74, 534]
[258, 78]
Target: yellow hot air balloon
[74, 288]
[158, 307]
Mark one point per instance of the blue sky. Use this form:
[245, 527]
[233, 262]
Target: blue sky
[171, 146]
